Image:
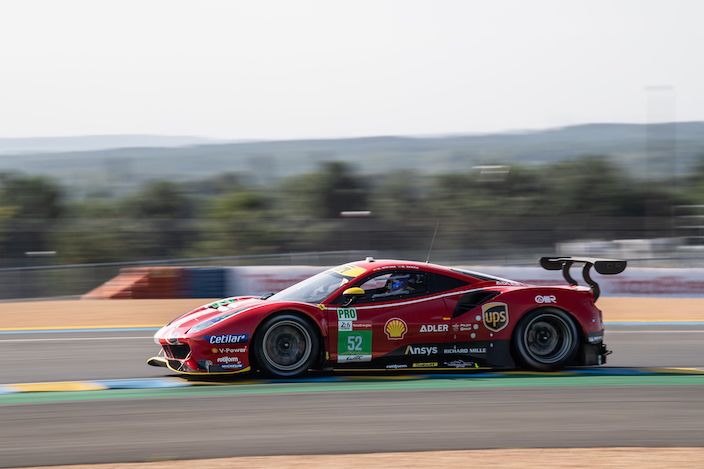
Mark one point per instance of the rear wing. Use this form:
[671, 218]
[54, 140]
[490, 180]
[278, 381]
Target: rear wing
[602, 266]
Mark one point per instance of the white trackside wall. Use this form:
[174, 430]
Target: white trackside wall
[635, 281]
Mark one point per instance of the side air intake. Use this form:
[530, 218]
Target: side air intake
[471, 300]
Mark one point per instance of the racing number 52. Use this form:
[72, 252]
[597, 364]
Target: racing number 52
[354, 343]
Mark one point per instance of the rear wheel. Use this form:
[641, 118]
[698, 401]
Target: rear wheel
[286, 346]
[546, 340]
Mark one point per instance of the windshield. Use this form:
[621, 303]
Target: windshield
[314, 289]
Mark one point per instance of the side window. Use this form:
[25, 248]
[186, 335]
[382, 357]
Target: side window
[377, 282]
[441, 283]
[394, 285]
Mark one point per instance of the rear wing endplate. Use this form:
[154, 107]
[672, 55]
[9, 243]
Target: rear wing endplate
[602, 266]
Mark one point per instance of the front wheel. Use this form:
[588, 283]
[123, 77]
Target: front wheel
[546, 340]
[286, 346]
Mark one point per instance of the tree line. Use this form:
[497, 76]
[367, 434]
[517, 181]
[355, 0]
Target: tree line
[483, 208]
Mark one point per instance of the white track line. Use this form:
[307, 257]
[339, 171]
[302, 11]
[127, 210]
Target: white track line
[75, 339]
[68, 339]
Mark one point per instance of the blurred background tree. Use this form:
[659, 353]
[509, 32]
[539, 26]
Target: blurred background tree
[493, 206]
[30, 207]
[160, 216]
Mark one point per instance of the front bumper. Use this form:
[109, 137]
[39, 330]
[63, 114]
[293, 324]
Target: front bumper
[177, 366]
[179, 359]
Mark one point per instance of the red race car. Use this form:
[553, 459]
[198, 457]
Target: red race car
[395, 315]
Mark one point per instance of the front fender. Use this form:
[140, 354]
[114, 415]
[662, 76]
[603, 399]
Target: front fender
[225, 347]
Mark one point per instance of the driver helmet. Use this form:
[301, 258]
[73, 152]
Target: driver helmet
[397, 283]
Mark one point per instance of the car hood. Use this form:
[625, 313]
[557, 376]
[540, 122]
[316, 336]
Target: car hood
[206, 316]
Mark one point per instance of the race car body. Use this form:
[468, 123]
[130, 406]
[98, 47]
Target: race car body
[395, 315]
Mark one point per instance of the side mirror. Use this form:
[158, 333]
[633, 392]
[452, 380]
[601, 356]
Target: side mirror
[351, 294]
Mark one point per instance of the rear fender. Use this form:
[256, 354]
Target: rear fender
[577, 302]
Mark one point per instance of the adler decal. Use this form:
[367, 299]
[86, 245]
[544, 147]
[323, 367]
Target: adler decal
[434, 328]
[495, 316]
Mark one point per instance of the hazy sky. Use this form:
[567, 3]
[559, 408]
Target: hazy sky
[289, 69]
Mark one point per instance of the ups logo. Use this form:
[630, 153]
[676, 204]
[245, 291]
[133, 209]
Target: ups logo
[495, 316]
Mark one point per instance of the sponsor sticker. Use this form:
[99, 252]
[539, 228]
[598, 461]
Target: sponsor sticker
[542, 299]
[353, 358]
[229, 350]
[455, 351]
[236, 366]
[362, 325]
[419, 350]
[354, 346]
[477, 350]
[595, 338]
[228, 360]
[396, 366]
[463, 327]
[349, 270]
[425, 365]
[344, 325]
[227, 339]
[221, 303]
[495, 316]
[395, 328]
[434, 328]
[388, 267]
[461, 364]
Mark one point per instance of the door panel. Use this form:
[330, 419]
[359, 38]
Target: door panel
[383, 331]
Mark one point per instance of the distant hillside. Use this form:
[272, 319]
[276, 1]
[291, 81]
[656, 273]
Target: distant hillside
[645, 150]
[92, 143]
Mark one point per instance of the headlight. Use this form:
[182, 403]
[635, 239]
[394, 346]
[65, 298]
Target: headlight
[212, 321]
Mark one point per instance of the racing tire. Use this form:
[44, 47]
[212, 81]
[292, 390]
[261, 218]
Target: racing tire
[286, 346]
[546, 340]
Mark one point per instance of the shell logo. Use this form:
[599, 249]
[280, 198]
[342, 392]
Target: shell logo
[395, 328]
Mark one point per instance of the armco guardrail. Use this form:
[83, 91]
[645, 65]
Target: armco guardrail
[164, 282]
[635, 281]
[234, 275]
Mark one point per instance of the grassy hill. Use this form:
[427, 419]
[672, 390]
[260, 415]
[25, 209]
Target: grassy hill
[645, 150]
[9, 146]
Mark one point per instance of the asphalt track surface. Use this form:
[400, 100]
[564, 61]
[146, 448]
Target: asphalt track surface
[31, 357]
[373, 416]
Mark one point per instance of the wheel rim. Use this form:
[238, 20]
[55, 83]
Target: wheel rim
[548, 338]
[286, 345]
